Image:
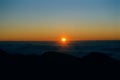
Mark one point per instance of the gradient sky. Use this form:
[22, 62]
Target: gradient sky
[53, 19]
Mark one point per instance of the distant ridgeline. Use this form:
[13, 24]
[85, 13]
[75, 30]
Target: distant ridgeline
[56, 58]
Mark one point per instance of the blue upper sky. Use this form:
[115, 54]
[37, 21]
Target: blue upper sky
[64, 8]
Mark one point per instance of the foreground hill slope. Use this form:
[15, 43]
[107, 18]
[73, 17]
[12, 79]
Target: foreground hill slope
[56, 58]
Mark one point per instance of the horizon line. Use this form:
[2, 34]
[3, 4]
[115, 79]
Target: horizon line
[49, 40]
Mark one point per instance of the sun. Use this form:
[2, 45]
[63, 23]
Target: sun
[63, 39]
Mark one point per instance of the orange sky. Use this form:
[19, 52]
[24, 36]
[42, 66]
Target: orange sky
[55, 33]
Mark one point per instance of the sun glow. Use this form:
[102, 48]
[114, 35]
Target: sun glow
[63, 39]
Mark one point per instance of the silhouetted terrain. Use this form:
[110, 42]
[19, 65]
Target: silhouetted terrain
[60, 65]
[56, 58]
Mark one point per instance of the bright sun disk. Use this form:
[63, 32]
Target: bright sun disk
[63, 39]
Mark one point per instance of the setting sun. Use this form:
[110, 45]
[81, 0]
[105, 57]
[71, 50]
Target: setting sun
[63, 39]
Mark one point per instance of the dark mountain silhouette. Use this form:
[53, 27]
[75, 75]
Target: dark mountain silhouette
[99, 58]
[56, 58]
[59, 58]
[56, 64]
[2, 52]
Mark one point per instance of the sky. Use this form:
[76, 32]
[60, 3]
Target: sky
[44, 20]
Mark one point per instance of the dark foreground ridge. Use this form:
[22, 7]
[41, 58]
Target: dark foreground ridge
[58, 64]
[56, 58]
